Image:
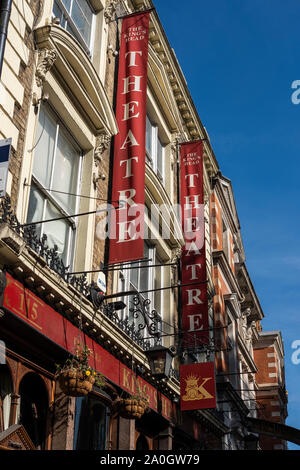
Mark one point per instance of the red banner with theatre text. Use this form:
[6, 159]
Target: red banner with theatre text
[197, 386]
[194, 295]
[128, 187]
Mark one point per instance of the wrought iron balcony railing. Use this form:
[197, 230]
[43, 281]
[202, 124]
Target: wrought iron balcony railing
[141, 315]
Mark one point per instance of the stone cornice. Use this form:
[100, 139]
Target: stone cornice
[246, 286]
[267, 338]
[233, 304]
[233, 221]
[219, 259]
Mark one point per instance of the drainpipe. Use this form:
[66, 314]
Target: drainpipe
[5, 10]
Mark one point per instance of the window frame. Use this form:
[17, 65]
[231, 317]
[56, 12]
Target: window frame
[89, 48]
[152, 159]
[47, 194]
[83, 405]
[158, 260]
[124, 285]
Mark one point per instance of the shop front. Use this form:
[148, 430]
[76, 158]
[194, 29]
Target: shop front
[36, 338]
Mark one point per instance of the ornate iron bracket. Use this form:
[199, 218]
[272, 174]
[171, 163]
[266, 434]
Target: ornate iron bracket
[141, 307]
[140, 310]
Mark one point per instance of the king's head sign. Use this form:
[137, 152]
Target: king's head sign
[197, 386]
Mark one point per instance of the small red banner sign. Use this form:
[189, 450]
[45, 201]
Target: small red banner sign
[127, 231]
[197, 386]
[194, 297]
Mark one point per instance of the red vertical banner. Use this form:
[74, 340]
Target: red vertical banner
[194, 296]
[127, 226]
[197, 386]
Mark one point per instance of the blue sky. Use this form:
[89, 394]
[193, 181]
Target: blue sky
[240, 58]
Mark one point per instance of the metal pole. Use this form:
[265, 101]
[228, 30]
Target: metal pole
[179, 294]
[5, 11]
[28, 224]
[112, 145]
[134, 292]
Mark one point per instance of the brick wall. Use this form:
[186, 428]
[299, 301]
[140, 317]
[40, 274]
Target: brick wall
[268, 399]
[17, 78]
[266, 361]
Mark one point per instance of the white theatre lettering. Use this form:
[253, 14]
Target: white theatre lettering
[127, 198]
[129, 139]
[192, 249]
[132, 83]
[192, 202]
[128, 166]
[129, 108]
[129, 149]
[195, 322]
[193, 297]
[136, 82]
[191, 180]
[193, 270]
[132, 55]
[195, 315]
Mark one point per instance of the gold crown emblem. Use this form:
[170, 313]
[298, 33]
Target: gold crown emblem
[194, 391]
[192, 380]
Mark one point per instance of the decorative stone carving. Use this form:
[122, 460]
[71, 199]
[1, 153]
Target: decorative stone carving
[143, 5]
[46, 59]
[249, 334]
[173, 159]
[102, 143]
[176, 255]
[244, 321]
[247, 330]
[173, 155]
[110, 10]
[244, 289]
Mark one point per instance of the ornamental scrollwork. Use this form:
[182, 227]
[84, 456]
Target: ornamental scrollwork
[102, 143]
[46, 59]
[176, 255]
[110, 10]
[146, 316]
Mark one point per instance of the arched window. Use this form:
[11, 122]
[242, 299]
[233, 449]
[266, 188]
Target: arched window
[142, 443]
[33, 408]
[90, 424]
[6, 389]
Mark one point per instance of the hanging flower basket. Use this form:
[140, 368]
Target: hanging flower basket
[130, 408]
[76, 378]
[74, 382]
